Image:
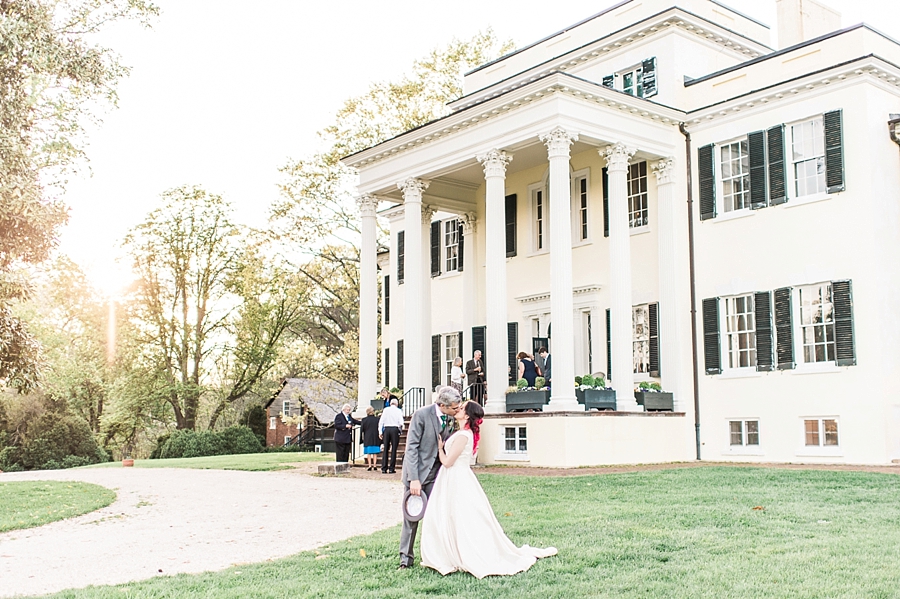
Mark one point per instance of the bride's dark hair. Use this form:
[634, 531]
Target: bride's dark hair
[475, 414]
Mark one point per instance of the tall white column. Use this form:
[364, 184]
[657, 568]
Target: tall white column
[669, 337]
[427, 214]
[368, 305]
[562, 388]
[469, 281]
[494, 163]
[414, 351]
[621, 330]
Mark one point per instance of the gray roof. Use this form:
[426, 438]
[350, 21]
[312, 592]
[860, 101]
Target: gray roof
[323, 397]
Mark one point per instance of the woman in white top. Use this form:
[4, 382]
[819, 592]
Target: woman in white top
[456, 375]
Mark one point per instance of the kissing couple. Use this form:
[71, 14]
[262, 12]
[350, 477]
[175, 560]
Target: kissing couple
[459, 529]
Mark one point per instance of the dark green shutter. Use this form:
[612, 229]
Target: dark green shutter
[459, 350]
[706, 170]
[654, 339]
[608, 347]
[435, 361]
[762, 306]
[479, 343]
[400, 364]
[844, 346]
[756, 147]
[777, 170]
[401, 260]
[609, 81]
[436, 249]
[712, 352]
[511, 214]
[460, 239]
[834, 151]
[605, 202]
[387, 300]
[784, 329]
[648, 75]
[387, 367]
[512, 344]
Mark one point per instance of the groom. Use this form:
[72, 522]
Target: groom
[420, 460]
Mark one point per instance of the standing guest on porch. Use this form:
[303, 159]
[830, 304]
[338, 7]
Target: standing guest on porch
[370, 438]
[389, 427]
[456, 375]
[475, 376]
[545, 363]
[527, 369]
[387, 396]
[343, 433]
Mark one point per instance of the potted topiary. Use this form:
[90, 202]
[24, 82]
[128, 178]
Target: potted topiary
[522, 397]
[653, 398]
[593, 394]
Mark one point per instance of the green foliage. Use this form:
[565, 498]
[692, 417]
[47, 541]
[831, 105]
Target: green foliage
[55, 440]
[587, 380]
[521, 384]
[578, 380]
[30, 504]
[540, 382]
[255, 419]
[396, 391]
[185, 443]
[649, 386]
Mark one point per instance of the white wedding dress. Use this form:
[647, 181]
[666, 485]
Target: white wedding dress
[460, 531]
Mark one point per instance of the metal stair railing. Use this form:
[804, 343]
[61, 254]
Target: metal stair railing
[412, 400]
[474, 392]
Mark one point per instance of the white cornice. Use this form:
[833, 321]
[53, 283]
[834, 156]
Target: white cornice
[540, 297]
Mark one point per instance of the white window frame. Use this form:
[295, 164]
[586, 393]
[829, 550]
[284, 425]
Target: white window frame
[446, 247]
[287, 439]
[449, 344]
[633, 196]
[519, 438]
[790, 163]
[743, 449]
[644, 340]
[720, 179]
[286, 407]
[637, 71]
[581, 207]
[799, 329]
[746, 435]
[272, 422]
[542, 228]
[729, 316]
[821, 449]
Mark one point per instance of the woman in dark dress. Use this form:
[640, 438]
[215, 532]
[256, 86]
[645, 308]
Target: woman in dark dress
[527, 369]
[371, 442]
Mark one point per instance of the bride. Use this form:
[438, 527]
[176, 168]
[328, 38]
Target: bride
[459, 530]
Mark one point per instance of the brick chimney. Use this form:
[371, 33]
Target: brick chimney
[801, 20]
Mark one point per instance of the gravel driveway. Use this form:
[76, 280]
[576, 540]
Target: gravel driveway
[167, 521]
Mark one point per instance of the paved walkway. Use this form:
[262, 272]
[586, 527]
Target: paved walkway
[167, 521]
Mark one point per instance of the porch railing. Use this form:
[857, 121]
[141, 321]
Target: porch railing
[412, 400]
[474, 392]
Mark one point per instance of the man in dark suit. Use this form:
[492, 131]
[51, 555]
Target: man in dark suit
[420, 460]
[343, 433]
[545, 364]
[475, 376]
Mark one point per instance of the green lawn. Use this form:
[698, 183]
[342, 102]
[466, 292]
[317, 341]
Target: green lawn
[247, 461]
[29, 504]
[686, 533]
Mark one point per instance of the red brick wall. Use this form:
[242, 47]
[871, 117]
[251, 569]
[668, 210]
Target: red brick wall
[275, 436]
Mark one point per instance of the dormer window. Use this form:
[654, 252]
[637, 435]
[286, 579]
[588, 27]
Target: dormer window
[632, 81]
[638, 80]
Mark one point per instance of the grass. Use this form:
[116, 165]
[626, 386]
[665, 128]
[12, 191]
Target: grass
[248, 461]
[687, 533]
[30, 504]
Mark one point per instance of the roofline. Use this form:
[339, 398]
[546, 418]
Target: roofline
[759, 59]
[603, 12]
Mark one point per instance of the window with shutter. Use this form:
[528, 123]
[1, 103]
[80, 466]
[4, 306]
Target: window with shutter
[387, 367]
[734, 158]
[808, 158]
[401, 261]
[436, 248]
[784, 334]
[609, 81]
[400, 364]
[511, 211]
[640, 338]
[461, 246]
[740, 331]
[512, 348]
[648, 68]
[608, 347]
[711, 345]
[461, 350]
[435, 361]
[451, 352]
[654, 339]
[777, 171]
[605, 202]
[452, 243]
[479, 343]
[756, 147]
[817, 322]
[845, 347]
[834, 151]
[387, 300]
[765, 358]
[707, 180]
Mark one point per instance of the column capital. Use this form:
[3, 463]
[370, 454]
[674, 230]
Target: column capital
[367, 204]
[494, 162]
[427, 212]
[558, 142]
[412, 189]
[617, 156]
[469, 222]
[665, 171]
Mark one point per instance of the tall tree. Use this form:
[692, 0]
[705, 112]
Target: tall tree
[53, 77]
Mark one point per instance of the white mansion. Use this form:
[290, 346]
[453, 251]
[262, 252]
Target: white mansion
[656, 194]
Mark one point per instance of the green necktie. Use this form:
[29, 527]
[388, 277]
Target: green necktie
[445, 422]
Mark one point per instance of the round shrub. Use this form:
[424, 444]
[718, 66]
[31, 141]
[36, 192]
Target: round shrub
[191, 444]
[587, 380]
[58, 437]
[539, 382]
[240, 439]
[578, 380]
[521, 384]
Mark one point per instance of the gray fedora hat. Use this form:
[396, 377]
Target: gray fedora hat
[414, 506]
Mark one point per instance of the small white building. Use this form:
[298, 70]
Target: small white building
[596, 188]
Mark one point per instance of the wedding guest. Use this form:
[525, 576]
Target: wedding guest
[343, 433]
[527, 368]
[456, 375]
[389, 428]
[370, 438]
[475, 376]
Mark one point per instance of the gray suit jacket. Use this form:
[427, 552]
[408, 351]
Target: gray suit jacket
[421, 445]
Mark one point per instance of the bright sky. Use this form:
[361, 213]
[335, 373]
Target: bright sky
[223, 93]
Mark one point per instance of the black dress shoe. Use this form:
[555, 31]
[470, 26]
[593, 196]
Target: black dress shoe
[403, 567]
[392, 472]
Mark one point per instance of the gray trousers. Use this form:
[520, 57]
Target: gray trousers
[408, 532]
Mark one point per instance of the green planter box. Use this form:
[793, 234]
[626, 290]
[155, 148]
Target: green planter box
[377, 404]
[527, 400]
[655, 401]
[597, 399]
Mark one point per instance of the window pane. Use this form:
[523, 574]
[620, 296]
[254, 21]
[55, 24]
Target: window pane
[510, 433]
[737, 436]
[637, 195]
[812, 432]
[752, 432]
[831, 432]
